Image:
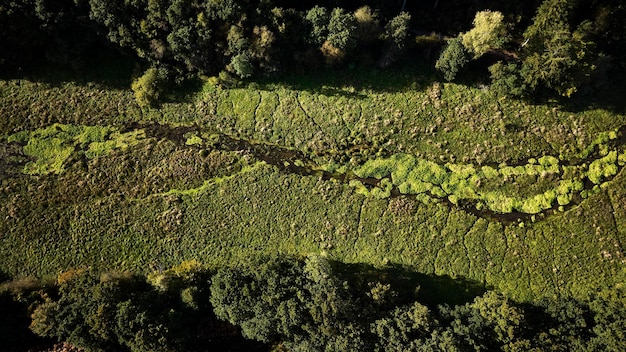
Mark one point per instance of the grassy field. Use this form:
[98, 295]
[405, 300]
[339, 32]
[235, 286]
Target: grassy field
[91, 180]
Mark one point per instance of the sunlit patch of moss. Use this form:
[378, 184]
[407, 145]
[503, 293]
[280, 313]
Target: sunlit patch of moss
[378, 168]
[52, 146]
[404, 163]
[621, 159]
[412, 175]
[115, 141]
[384, 189]
[193, 139]
[603, 168]
[359, 188]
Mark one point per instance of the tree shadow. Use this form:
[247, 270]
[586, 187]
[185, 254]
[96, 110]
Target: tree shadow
[106, 67]
[351, 81]
[428, 289]
[4, 277]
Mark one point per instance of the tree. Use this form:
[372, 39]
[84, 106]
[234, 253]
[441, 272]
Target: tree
[241, 65]
[555, 57]
[395, 36]
[489, 32]
[506, 80]
[406, 326]
[265, 304]
[342, 30]
[452, 59]
[317, 20]
[368, 25]
[490, 322]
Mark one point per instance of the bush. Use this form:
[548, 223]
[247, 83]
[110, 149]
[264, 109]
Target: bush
[489, 32]
[505, 79]
[241, 65]
[149, 86]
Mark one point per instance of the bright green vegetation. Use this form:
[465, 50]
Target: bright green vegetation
[53, 145]
[464, 182]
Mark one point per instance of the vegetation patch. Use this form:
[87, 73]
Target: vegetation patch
[54, 145]
[458, 182]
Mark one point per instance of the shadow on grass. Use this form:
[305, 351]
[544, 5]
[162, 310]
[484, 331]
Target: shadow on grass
[350, 81]
[428, 289]
[107, 67]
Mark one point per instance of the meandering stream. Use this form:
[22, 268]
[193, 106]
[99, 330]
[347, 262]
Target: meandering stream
[296, 162]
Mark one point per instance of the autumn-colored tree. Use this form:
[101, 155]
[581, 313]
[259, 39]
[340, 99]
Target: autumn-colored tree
[489, 32]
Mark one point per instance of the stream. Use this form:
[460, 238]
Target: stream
[296, 162]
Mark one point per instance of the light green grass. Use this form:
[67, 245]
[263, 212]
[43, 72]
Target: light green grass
[52, 146]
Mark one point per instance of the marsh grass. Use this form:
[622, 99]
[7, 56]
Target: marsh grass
[158, 202]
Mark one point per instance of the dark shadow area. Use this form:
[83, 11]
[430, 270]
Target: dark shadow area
[348, 81]
[609, 96]
[428, 289]
[4, 277]
[106, 66]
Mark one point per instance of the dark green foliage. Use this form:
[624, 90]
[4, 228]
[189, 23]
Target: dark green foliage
[317, 20]
[106, 313]
[306, 306]
[505, 79]
[395, 36]
[491, 322]
[557, 55]
[342, 30]
[452, 59]
[405, 328]
[311, 304]
[241, 65]
[301, 302]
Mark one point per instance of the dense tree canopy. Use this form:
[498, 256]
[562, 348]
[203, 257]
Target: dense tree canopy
[310, 304]
[555, 46]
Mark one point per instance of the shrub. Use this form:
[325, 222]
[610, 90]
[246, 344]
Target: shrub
[149, 86]
[241, 65]
[602, 168]
[505, 80]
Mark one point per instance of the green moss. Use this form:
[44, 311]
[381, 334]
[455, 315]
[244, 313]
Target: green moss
[404, 163]
[359, 188]
[384, 189]
[116, 140]
[550, 163]
[489, 172]
[378, 168]
[603, 168]
[54, 145]
[193, 139]
[50, 154]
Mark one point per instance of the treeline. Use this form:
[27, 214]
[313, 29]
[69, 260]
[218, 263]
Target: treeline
[291, 304]
[553, 47]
